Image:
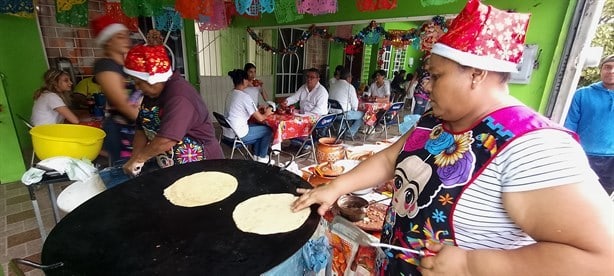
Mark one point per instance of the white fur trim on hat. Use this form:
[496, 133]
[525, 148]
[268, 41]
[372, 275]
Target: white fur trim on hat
[151, 79]
[472, 60]
[109, 32]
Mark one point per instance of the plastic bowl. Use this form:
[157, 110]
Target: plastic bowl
[75, 141]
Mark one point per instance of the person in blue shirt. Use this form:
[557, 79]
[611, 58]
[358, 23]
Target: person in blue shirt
[591, 116]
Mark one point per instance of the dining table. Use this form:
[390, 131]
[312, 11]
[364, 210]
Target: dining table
[288, 126]
[370, 108]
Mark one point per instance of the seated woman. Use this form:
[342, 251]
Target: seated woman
[173, 124]
[51, 100]
[239, 109]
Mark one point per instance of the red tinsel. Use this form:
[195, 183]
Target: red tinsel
[373, 5]
[114, 10]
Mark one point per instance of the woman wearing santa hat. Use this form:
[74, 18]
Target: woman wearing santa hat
[173, 125]
[483, 185]
[122, 102]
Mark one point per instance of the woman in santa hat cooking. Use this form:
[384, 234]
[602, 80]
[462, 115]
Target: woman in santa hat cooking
[173, 125]
[485, 183]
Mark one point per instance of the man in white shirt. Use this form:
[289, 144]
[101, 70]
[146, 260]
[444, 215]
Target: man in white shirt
[312, 96]
[380, 88]
[343, 92]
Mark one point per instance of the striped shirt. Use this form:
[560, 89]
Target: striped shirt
[540, 159]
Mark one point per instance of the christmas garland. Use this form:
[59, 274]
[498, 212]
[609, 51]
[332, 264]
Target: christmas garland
[371, 34]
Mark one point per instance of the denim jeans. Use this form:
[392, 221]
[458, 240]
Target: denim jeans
[355, 117]
[260, 136]
[603, 167]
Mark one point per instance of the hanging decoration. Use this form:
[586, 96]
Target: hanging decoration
[373, 5]
[431, 32]
[192, 9]
[426, 3]
[316, 7]
[371, 34]
[135, 8]
[218, 18]
[254, 7]
[71, 12]
[168, 21]
[113, 9]
[353, 48]
[285, 11]
[22, 8]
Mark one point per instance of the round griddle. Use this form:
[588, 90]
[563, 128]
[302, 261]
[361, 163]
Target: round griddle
[132, 229]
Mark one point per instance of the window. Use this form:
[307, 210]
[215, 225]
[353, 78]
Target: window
[386, 58]
[289, 76]
[399, 59]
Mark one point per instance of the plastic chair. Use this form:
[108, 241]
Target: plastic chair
[323, 124]
[390, 117]
[236, 143]
[344, 124]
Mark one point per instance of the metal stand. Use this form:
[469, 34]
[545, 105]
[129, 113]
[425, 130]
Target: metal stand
[49, 178]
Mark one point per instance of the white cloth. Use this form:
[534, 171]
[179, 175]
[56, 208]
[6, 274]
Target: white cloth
[254, 93]
[43, 110]
[382, 91]
[75, 169]
[239, 108]
[311, 102]
[332, 81]
[345, 94]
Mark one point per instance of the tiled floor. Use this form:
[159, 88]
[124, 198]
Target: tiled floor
[19, 233]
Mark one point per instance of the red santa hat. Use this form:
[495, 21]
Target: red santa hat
[485, 37]
[105, 27]
[149, 62]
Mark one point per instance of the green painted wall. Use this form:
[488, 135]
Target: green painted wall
[23, 63]
[547, 29]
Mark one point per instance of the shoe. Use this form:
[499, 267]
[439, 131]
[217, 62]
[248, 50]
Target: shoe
[264, 160]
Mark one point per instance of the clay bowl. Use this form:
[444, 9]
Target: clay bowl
[353, 208]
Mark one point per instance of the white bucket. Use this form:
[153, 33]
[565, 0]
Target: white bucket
[77, 193]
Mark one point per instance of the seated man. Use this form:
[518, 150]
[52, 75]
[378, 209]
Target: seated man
[173, 124]
[345, 93]
[312, 97]
[380, 88]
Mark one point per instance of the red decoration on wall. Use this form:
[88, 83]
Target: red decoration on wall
[190, 9]
[114, 10]
[373, 5]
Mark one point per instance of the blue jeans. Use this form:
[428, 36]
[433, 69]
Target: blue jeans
[355, 117]
[261, 137]
[603, 167]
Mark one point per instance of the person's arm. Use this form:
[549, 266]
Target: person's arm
[67, 114]
[157, 146]
[386, 89]
[353, 98]
[113, 86]
[573, 115]
[377, 169]
[321, 107]
[294, 98]
[139, 141]
[260, 117]
[263, 93]
[572, 224]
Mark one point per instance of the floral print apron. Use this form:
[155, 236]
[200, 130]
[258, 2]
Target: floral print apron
[433, 169]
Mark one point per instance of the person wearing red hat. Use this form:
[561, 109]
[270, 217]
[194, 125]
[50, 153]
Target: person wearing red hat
[483, 185]
[173, 125]
[114, 38]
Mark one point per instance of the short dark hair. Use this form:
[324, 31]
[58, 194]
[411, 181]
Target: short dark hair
[312, 70]
[248, 66]
[237, 76]
[338, 69]
[345, 74]
[380, 72]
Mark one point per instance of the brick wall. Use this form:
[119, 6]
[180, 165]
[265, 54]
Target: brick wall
[74, 43]
[317, 52]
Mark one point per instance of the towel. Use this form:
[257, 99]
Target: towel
[75, 169]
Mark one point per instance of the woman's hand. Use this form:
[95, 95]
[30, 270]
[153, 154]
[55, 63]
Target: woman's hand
[133, 167]
[449, 260]
[325, 195]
